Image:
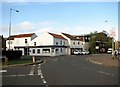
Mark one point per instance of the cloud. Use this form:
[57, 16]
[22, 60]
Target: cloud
[27, 27]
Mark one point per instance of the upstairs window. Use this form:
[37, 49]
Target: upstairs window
[56, 43]
[60, 42]
[25, 40]
[34, 43]
[64, 42]
[78, 43]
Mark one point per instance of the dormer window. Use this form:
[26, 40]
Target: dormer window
[25, 40]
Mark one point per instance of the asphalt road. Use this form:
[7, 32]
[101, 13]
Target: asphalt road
[62, 70]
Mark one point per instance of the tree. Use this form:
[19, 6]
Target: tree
[100, 40]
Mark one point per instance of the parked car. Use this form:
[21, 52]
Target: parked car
[109, 50]
[85, 52]
[76, 52]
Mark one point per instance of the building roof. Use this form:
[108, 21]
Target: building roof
[11, 37]
[24, 35]
[56, 36]
[70, 36]
[20, 36]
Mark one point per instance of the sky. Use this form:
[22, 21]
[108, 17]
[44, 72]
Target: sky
[67, 16]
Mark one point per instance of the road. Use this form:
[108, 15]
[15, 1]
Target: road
[61, 70]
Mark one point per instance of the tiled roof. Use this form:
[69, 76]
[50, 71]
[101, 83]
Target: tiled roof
[20, 36]
[11, 37]
[24, 35]
[56, 36]
[70, 36]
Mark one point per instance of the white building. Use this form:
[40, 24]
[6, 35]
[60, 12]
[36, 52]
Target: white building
[21, 42]
[49, 44]
[85, 41]
[74, 43]
[10, 40]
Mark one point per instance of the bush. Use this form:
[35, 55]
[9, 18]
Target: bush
[12, 54]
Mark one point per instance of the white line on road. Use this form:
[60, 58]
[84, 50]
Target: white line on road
[41, 75]
[105, 73]
[32, 70]
[2, 71]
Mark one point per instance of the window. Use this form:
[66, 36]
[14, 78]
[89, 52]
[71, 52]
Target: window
[52, 49]
[29, 50]
[78, 43]
[34, 43]
[61, 49]
[25, 40]
[60, 42]
[38, 50]
[57, 50]
[33, 51]
[74, 43]
[56, 43]
[46, 50]
[64, 42]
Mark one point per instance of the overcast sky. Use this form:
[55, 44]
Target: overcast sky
[66, 16]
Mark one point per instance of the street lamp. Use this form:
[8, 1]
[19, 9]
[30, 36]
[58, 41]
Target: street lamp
[113, 35]
[10, 24]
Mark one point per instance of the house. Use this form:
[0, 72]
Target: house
[10, 42]
[49, 44]
[85, 41]
[20, 42]
[73, 42]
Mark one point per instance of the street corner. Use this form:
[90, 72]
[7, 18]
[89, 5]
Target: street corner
[105, 60]
[93, 61]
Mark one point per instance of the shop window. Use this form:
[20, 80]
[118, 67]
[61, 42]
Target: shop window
[57, 50]
[38, 50]
[46, 50]
[33, 51]
[61, 49]
[52, 49]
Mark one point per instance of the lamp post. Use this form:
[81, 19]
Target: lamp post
[10, 24]
[113, 35]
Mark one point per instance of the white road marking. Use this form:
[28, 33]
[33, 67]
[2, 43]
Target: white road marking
[21, 75]
[2, 71]
[32, 70]
[44, 81]
[41, 75]
[105, 73]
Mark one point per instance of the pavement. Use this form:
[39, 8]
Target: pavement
[104, 59]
